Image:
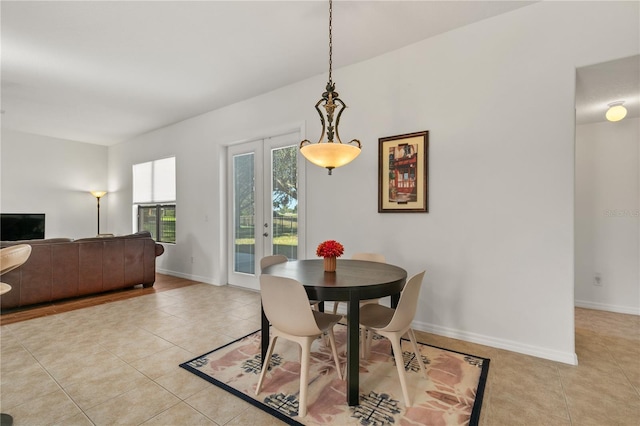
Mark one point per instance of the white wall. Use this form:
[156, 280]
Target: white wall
[607, 216]
[52, 176]
[498, 100]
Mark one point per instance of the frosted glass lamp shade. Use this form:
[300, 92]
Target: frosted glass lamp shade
[616, 111]
[330, 155]
[98, 194]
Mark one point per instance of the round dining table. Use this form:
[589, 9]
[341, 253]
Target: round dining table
[352, 282]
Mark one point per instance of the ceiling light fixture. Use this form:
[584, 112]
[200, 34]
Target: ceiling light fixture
[616, 111]
[330, 154]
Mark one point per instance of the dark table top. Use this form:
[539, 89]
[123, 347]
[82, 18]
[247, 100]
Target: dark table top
[370, 280]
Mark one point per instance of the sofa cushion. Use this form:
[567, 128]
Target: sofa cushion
[141, 234]
[35, 242]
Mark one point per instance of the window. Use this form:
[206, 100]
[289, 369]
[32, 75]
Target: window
[154, 198]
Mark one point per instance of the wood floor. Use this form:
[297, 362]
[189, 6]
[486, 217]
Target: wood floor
[163, 283]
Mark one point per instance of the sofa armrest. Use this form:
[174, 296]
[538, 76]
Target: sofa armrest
[159, 249]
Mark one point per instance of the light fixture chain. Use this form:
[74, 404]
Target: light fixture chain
[330, 154]
[330, 39]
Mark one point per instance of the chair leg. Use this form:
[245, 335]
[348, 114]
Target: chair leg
[304, 378]
[369, 333]
[334, 351]
[397, 354]
[265, 363]
[335, 307]
[363, 342]
[416, 350]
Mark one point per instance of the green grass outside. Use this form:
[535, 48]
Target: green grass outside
[283, 240]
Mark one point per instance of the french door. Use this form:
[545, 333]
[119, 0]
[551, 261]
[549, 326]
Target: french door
[266, 205]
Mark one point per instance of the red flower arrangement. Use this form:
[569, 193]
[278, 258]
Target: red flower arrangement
[330, 248]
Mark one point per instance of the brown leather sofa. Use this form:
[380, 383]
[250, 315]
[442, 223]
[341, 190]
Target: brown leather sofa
[61, 268]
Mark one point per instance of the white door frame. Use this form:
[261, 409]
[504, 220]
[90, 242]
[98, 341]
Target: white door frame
[261, 149]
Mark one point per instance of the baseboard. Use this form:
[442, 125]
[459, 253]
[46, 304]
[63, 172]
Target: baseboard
[564, 357]
[631, 310]
[198, 278]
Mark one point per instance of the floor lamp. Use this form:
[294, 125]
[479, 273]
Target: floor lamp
[98, 195]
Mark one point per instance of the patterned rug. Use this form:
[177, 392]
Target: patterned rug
[452, 394]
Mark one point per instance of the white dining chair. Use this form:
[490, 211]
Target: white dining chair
[371, 257]
[274, 259]
[393, 324]
[286, 305]
[11, 258]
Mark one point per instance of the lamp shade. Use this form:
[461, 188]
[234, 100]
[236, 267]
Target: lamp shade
[616, 111]
[330, 155]
[98, 194]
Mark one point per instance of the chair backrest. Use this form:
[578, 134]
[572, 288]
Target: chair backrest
[286, 306]
[406, 310]
[272, 260]
[13, 257]
[371, 257]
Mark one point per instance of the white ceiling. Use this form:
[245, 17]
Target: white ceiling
[105, 71]
[599, 85]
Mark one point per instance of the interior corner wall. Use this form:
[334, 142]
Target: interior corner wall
[497, 98]
[40, 174]
[607, 224]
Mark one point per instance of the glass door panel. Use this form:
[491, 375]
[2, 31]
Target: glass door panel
[244, 239]
[284, 201]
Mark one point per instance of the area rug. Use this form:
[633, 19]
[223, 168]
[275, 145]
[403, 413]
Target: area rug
[451, 394]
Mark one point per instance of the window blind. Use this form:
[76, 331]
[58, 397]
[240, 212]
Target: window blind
[155, 181]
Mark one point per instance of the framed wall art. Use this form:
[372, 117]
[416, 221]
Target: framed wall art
[403, 165]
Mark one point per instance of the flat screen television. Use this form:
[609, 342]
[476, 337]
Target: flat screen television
[21, 226]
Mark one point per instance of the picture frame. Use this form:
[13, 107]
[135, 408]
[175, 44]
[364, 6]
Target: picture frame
[403, 170]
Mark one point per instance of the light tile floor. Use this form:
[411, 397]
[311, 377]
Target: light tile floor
[117, 363]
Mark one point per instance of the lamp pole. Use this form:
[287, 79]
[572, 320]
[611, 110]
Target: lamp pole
[98, 195]
[98, 198]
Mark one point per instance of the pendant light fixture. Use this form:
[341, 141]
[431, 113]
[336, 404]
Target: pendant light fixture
[332, 153]
[616, 111]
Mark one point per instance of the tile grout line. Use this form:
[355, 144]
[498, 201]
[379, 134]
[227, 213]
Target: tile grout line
[564, 394]
[623, 371]
[57, 384]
